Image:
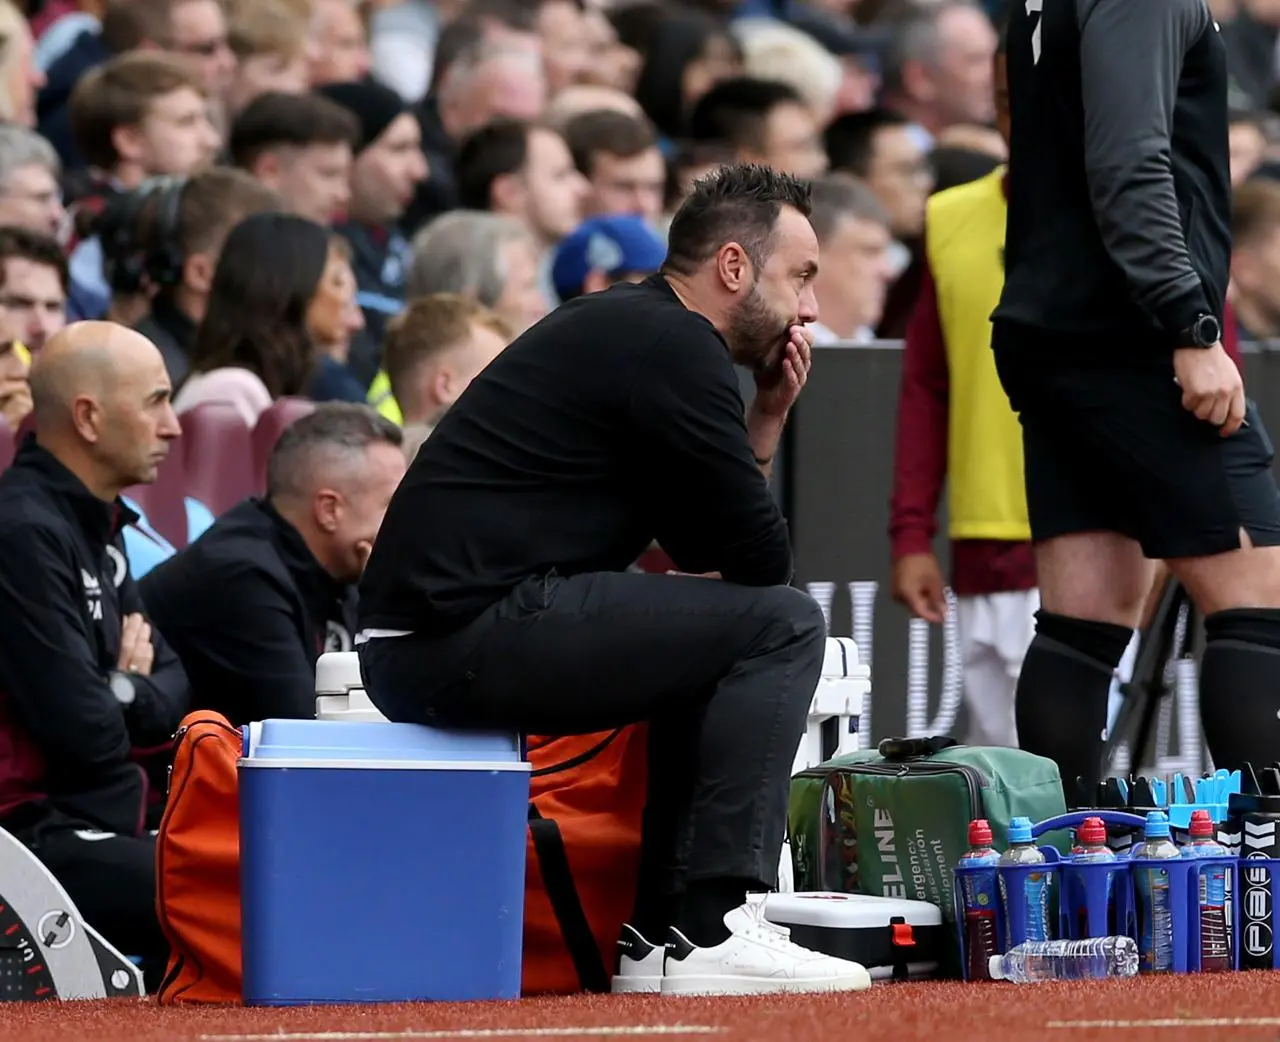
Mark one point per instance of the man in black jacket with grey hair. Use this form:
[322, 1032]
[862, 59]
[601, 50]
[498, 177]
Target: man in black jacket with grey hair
[1139, 442]
[270, 586]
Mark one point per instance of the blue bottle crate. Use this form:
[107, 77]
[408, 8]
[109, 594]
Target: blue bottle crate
[1211, 794]
[1070, 883]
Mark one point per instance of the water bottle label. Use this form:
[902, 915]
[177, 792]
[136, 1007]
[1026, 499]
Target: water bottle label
[1155, 940]
[1037, 896]
[979, 891]
[1213, 888]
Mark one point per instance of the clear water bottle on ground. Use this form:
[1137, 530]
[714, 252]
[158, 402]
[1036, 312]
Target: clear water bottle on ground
[1215, 936]
[1155, 914]
[1023, 851]
[978, 894]
[1093, 959]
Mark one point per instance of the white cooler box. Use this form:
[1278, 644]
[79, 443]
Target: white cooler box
[893, 939]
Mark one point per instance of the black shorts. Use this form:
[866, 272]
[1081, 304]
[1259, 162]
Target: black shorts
[1109, 447]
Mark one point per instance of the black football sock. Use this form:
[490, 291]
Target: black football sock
[707, 902]
[1061, 702]
[1240, 687]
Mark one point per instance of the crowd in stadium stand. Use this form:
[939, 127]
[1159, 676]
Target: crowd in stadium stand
[342, 210]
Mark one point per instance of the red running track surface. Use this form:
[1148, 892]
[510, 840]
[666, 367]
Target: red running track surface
[1237, 1006]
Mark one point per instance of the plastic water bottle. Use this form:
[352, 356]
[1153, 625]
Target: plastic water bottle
[1155, 915]
[978, 896]
[1215, 938]
[1023, 851]
[1093, 959]
[1090, 849]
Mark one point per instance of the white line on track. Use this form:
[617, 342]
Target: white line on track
[631, 1030]
[1168, 1022]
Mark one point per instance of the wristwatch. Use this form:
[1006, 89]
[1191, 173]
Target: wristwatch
[123, 688]
[1205, 331]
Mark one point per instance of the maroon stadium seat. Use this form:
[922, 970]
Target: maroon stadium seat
[271, 425]
[164, 501]
[217, 447]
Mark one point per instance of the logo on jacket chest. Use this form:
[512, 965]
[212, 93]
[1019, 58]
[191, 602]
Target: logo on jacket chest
[92, 594]
[118, 566]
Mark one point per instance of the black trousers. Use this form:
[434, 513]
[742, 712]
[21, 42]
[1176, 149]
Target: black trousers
[112, 881]
[724, 675]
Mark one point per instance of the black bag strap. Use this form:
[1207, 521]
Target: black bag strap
[914, 748]
[580, 759]
[557, 877]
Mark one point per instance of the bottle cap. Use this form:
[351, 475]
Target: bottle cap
[995, 970]
[1201, 824]
[979, 833]
[1020, 830]
[1157, 825]
[1092, 833]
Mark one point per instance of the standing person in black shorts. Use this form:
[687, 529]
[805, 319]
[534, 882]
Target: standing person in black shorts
[1137, 435]
[497, 594]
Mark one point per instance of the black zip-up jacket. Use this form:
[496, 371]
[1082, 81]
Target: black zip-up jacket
[1119, 181]
[249, 610]
[66, 741]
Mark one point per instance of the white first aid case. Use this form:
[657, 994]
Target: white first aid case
[893, 939]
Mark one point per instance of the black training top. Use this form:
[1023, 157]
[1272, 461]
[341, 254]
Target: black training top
[1119, 184]
[615, 420]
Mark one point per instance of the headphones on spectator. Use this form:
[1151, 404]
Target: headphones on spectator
[131, 265]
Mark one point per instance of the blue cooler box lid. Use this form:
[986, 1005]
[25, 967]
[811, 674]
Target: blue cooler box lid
[377, 744]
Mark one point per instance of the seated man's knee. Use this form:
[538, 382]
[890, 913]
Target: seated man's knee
[798, 608]
[797, 614]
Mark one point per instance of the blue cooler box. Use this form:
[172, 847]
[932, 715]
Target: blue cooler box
[380, 863]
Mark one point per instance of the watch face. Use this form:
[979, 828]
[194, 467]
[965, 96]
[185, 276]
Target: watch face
[122, 687]
[1208, 330]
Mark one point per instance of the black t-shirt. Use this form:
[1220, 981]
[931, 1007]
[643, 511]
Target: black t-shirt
[1119, 180]
[615, 420]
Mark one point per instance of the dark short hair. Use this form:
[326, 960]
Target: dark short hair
[735, 110]
[331, 428]
[24, 244]
[851, 139]
[498, 148]
[955, 165]
[274, 119]
[738, 203]
[614, 133]
[1255, 211]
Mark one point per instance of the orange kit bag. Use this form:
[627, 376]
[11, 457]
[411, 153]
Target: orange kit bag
[587, 798]
[198, 864]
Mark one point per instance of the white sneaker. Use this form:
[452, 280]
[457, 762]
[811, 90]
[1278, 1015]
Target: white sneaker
[639, 965]
[759, 958]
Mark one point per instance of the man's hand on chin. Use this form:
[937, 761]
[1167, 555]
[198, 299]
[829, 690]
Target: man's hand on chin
[778, 386]
[777, 389]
